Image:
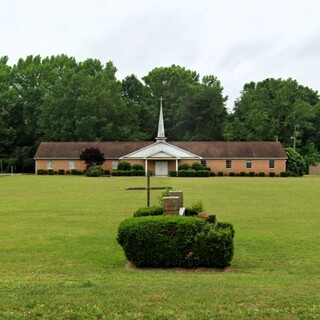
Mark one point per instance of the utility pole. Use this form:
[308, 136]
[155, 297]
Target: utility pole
[295, 134]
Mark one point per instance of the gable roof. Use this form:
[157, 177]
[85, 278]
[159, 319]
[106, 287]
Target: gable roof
[161, 149]
[204, 149]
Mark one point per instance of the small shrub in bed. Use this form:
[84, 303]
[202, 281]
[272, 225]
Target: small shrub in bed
[149, 211]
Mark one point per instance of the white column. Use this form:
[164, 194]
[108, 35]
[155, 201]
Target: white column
[146, 166]
[177, 165]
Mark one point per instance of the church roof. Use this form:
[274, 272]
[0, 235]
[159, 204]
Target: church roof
[203, 149]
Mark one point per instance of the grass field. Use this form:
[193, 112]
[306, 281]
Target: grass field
[59, 258]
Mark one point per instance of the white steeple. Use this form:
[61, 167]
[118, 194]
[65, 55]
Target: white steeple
[161, 136]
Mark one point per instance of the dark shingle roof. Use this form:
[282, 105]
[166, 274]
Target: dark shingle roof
[205, 149]
[233, 149]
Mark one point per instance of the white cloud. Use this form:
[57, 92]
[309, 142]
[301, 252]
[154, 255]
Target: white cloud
[236, 40]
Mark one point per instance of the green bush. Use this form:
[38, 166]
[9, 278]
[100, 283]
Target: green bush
[232, 174]
[137, 167]
[262, 174]
[251, 174]
[213, 249]
[184, 166]
[194, 209]
[242, 174]
[202, 173]
[197, 166]
[173, 241]
[141, 173]
[124, 165]
[173, 173]
[190, 212]
[284, 174]
[41, 172]
[76, 172]
[61, 172]
[295, 165]
[115, 173]
[272, 174]
[191, 173]
[183, 173]
[95, 171]
[220, 174]
[50, 172]
[212, 174]
[149, 211]
[107, 172]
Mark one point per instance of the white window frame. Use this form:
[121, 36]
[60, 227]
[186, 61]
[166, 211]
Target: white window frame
[115, 164]
[49, 164]
[72, 164]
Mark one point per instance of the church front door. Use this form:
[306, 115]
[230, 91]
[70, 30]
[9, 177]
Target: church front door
[161, 168]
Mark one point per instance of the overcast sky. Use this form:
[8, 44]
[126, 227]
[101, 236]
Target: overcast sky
[236, 40]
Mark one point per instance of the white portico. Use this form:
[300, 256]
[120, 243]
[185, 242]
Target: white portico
[161, 156]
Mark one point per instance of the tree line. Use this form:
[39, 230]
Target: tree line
[60, 99]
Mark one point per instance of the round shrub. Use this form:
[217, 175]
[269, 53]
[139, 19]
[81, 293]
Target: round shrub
[124, 165]
[41, 172]
[184, 166]
[61, 172]
[95, 171]
[197, 166]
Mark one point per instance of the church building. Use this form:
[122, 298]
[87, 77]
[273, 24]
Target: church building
[160, 156]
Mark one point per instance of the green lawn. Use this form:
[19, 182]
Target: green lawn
[59, 258]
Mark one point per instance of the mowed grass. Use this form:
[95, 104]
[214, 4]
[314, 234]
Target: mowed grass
[59, 258]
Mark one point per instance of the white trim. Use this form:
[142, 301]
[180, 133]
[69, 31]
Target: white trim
[160, 147]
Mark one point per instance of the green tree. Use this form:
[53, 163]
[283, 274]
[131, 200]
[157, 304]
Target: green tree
[295, 165]
[192, 108]
[271, 109]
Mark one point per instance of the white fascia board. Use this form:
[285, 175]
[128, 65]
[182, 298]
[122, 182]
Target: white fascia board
[158, 147]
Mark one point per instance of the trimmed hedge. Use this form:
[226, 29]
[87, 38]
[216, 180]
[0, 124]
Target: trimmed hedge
[118, 173]
[173, 173]
[149, 211]
[76, 172]
[41, 172]
[174, 241]
[137, 167]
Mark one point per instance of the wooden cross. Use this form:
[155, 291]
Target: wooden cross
[148, 188]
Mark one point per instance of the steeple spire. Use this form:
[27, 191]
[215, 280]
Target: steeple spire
[161, 136]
